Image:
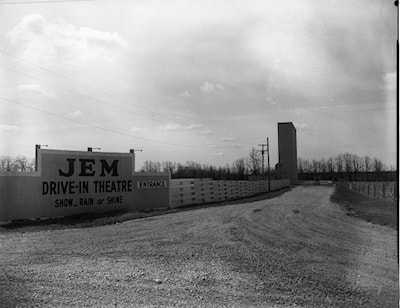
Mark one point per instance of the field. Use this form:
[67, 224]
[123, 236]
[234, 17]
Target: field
[305, 248]
[372, 210]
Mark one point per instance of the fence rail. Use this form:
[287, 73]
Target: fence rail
[197, 191]
[376, 190]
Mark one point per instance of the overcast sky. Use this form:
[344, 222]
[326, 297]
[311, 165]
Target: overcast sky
[199, 80]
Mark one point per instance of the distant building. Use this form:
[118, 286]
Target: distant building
[286, 168]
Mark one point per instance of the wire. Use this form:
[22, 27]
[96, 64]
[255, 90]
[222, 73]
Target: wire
[34, 2]
[70, 79]
[102, 128]
[78, 82]
[68, 90]
[86, 96]
[86, 86]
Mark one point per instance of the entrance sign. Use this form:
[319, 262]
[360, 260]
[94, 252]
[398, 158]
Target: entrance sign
[72, 182]
[87, 179]
[152, 184]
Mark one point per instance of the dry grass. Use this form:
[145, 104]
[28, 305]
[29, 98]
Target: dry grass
[372, 210]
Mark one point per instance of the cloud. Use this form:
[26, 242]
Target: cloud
[176, 126]
[39, 39]
[136, 129]
[310, 63]
[228, 143]
[227, 139]
[185, 94]
[8, 128]
[76, 113]
[206, 132]
[219, 154]
[208, 87]
[301, 127]
[236, 146]
[30, 89]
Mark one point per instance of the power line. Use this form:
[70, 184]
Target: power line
[77, 82]
[104, 103]
[66, 89]
[34, 2]
[78, 93]
[83, 95]
[84, 85]
[102, 128]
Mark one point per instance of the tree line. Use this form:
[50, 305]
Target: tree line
[16, 164]
[240, 169]
[346, 166]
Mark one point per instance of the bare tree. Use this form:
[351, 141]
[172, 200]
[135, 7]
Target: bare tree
[357, 165]
[339, 164]
[331, 166]
[348, 164]
[323, 165]
[304, 165]
[378, 167]
[169, 166]
[194, 168]
[307, 167]
[2, 164]
[367, 166]
[21, 164]
[150, 166]
[254, 162]
[6, 164]
[300, 165]
[31, 166]
[239, 167]
[315, 166]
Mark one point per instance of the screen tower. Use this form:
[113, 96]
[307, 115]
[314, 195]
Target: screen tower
[287, 147]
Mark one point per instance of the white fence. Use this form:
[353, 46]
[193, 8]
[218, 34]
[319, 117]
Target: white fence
[197, 191]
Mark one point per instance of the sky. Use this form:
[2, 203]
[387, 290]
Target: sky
[198, 80]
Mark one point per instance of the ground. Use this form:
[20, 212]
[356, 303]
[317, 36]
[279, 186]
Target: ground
[381, 212]
[300, 248]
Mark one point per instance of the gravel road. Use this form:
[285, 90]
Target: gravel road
[296, 250]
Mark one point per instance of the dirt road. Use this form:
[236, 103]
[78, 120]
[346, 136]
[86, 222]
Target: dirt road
[298, 249]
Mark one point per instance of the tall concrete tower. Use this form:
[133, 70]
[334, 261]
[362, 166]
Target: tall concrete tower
[287, 147]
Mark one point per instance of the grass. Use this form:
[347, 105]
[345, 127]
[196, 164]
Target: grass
[376, 211]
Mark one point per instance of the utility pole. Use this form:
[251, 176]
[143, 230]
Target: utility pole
[262, 154]
[269, 173]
